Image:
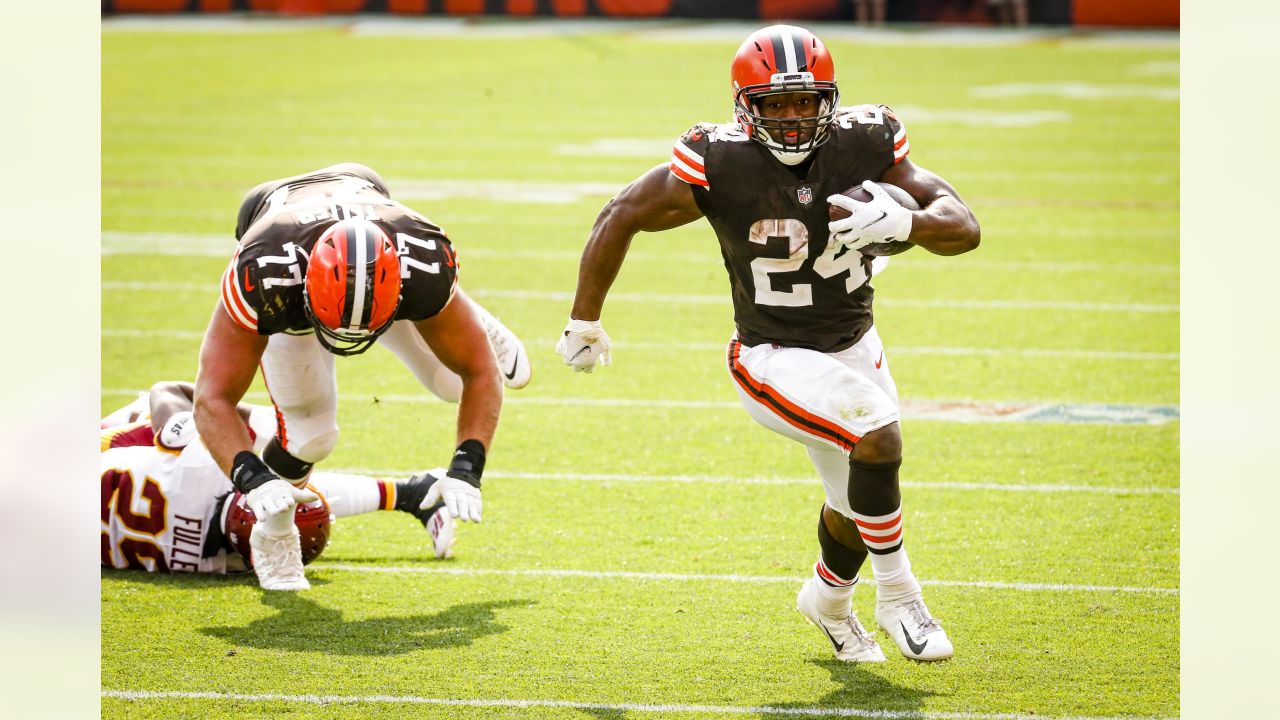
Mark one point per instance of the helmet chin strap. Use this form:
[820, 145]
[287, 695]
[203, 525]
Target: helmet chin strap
[790, 158]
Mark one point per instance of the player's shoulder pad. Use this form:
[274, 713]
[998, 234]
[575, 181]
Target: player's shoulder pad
[878, 126]
[690, 152]
[241, 291]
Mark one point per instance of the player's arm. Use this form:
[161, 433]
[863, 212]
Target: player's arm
[458, 339]
[229, 359]
[944, 225]
[169, 401]
[655, 201]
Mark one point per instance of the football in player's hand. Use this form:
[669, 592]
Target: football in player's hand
[903, 198]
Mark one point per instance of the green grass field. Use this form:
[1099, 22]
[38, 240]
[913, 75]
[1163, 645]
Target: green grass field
[639, 559]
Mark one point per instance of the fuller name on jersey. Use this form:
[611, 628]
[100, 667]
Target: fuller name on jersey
[792, 285]
[280, 221]
[159, 506]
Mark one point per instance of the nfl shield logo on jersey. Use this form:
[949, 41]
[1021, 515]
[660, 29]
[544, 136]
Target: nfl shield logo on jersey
[805, 196]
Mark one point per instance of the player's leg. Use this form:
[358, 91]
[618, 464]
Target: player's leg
[302, 381]
[826, 597]
[875, 504]
[301, 378]
[406, 343]
[818, 401]
[358, 494]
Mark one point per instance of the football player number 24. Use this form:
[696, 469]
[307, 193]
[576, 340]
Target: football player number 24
[827, 265]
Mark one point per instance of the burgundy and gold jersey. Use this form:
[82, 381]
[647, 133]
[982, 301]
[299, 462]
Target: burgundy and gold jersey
[158, 507]
[280, 221]
[791, 285]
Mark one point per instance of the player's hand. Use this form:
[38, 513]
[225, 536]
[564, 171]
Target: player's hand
[277, 496]
[583, 344]
[461, 498]
[880, 220]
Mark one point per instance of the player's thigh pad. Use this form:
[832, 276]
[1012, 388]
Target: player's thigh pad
[867, 358]
[302, 379]
[808, 396]
[406, 343]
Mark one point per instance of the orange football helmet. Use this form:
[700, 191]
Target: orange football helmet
[352, 287]
[784, 59]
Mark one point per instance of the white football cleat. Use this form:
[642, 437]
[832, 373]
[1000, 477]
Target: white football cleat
[441, 526]
[851, 641]
[918, 634]
[513, 361]
[277, 560]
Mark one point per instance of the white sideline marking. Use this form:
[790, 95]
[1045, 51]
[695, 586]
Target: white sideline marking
[733, 480]
[1076, 91]
[723, 299]
[940, 410]
[732, 578]
[720, 347]
[576, 705]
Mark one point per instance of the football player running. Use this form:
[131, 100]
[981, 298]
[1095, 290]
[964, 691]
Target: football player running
[327, 264]
[805, 359]
[168, 507]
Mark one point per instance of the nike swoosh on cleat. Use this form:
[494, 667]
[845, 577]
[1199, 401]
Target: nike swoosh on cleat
[838, 646]
[514, 365]
[917, 649]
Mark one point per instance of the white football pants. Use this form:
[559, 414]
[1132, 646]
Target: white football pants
[826, 401]
[302, 378]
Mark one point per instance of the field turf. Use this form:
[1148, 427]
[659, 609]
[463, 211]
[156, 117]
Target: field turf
[639, 558]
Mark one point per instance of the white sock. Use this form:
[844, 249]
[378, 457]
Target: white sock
[834, 599]
[894, 579]
[349, 495]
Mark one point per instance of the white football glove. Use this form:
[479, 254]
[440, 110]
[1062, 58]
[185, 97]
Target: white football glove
[461, 498]
[276, 496]
[879, 220]
[583, 344]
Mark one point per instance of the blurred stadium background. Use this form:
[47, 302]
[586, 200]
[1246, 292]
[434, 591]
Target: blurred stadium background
[1085, 13]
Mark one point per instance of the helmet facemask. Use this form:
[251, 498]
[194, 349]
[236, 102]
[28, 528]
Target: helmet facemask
[771, 132]
[342, 342]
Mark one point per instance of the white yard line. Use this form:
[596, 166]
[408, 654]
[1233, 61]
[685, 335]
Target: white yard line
[115, 242]
[940, 410]
[642, 346]
[746, 480]
[1076, 91]
[730, 578]
[799, 711]
[723, 299]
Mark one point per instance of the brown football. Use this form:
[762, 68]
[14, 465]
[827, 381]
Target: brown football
[901, 196]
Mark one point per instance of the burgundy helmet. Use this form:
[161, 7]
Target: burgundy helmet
[313, 520]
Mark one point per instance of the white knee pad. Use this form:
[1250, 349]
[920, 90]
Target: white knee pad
[312, 448]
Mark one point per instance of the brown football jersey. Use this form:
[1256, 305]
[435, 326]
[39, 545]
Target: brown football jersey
[791, 285]
[280, 222]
